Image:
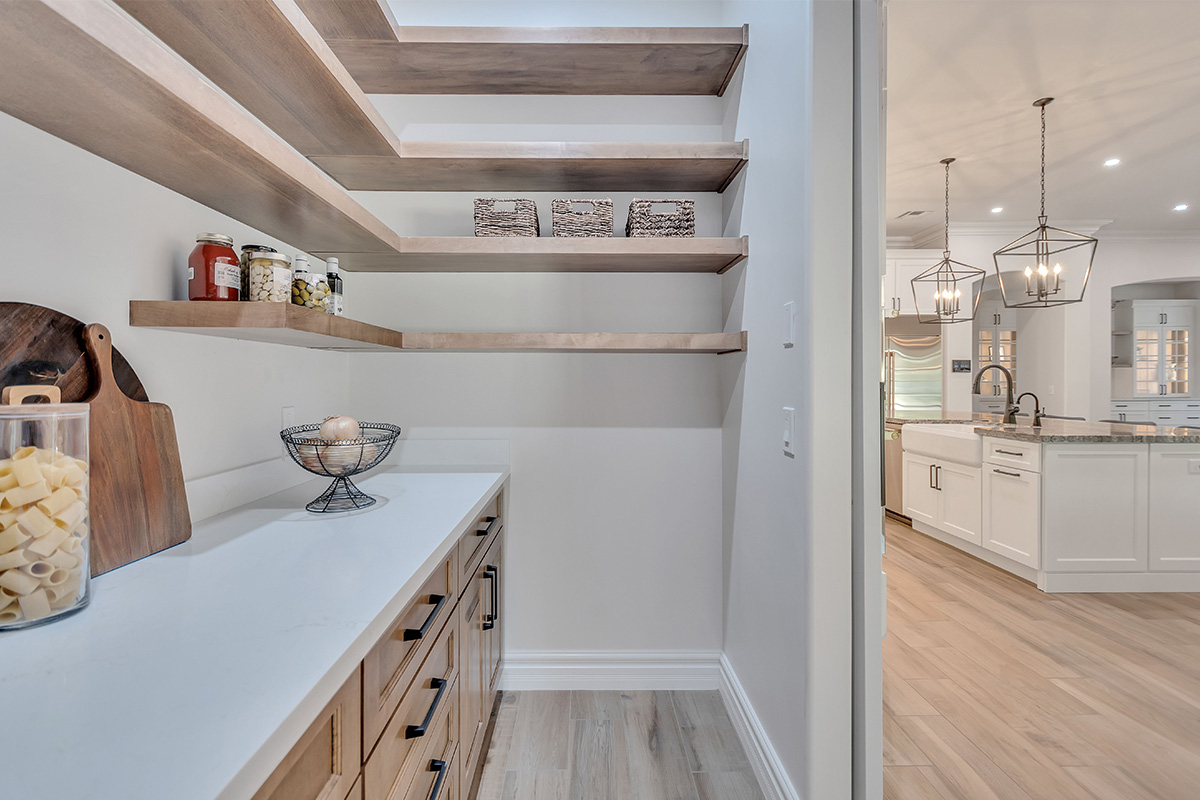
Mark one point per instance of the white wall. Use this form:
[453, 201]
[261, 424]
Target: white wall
[85, 237]
[783, 611]
[615, 517]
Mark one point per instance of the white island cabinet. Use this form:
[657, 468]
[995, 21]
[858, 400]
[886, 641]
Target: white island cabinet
[1071, 506]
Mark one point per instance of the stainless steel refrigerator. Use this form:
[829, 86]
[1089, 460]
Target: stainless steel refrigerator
[913, 374]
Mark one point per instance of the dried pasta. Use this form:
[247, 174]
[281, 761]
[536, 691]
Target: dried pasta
[43, 526]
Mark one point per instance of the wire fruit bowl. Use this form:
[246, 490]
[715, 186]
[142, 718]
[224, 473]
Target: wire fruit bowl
[340, 459]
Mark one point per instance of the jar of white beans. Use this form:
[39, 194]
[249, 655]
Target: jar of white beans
[44, 513]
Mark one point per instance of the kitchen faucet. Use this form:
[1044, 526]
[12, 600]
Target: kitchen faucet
[1037, 408]
[1010, 408]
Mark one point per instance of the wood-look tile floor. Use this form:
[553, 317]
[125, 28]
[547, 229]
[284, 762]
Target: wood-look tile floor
[995, 690]
[615, 746]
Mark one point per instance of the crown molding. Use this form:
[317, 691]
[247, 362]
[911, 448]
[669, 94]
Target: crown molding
[1088, 227]
[1161, 237]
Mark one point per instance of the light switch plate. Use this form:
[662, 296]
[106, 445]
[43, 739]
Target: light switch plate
[1193, 466]
[789, 430]
[789, 323]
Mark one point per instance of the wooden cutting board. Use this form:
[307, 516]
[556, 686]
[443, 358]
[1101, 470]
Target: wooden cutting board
[40, 346]
[138, 503]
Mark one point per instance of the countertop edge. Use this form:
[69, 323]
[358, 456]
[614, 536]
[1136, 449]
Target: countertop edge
[263, 762]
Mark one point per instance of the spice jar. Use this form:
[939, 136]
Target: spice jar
[308, 289]
[247, 249]
[44, 524]
[334, 303]
[213, 269]
[270, 277]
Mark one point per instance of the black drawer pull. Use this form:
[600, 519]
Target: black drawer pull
[493, 523]
[492, 574]
[414, 731]
[411, 634]
[1010, 453]
[1009, 474]
[439, 767]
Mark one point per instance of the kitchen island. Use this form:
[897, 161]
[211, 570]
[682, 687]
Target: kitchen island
[194, 673]
[1071, 506]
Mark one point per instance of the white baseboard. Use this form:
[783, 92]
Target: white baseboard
[772, 777]
[1142, 582]
[613, 671]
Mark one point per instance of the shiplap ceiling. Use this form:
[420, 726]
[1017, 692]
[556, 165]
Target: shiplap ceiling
[1125, 75]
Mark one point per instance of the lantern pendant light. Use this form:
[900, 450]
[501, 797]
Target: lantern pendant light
[947, 281]
[1048, 266]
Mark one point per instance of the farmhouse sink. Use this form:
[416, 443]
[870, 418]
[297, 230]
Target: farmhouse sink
[956, 442]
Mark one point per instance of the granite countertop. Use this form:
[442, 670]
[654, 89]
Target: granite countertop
[1061, 431]
[194, 671]
[939, 417]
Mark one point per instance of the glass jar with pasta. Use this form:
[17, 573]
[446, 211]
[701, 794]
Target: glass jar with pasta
[44, 519]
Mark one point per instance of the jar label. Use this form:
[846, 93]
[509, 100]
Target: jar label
[333, 305]
[227, 275]
[282, 276]
[191, 273]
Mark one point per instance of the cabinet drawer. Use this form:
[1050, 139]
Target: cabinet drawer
[325, 763]
[392, 663]
[432, 696]
[1013, 453]
[436, 774]
[478, 538]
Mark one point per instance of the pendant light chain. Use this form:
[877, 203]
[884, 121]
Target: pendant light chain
[1043, 161]
[947, 248]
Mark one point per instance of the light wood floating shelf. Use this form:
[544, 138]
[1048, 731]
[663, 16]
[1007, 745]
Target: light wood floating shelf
[277, 323]
[283, 323]
[389, 59]
[90, 74]
[543, 166]
[556, 254]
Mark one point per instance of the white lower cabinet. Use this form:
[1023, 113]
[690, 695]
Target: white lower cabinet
[1012, 513]
[943, 495]
[1096, 514]
[1174, 508]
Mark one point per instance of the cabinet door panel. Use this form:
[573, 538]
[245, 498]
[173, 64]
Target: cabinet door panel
[1178, 316]
[920, 498]
[493, 565]
[961, 498]
[1174, 509]
[1146, 316]
[906, 269]
[1012, 509]
[473, 677]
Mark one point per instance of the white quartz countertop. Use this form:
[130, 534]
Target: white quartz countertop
[193, 672]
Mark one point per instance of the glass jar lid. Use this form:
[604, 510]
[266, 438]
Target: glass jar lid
[262, 248]
[215, 238]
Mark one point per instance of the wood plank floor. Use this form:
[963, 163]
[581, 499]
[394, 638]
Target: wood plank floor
[615, 746]
[993, 690]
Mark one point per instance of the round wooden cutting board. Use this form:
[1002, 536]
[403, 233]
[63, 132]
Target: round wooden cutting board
[42, 346]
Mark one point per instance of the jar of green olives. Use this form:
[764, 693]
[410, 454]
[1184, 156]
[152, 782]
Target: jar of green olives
[310, 290]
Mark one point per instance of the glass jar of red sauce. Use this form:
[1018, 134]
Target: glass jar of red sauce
[213, 269]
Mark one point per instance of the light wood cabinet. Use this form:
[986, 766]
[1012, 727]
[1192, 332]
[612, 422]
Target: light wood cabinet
[1012, 508]
[325, 763]
[412, 722]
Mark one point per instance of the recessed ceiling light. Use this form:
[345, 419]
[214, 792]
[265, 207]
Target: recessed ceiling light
[1112, 162]
[1181, 207]
[997, 210]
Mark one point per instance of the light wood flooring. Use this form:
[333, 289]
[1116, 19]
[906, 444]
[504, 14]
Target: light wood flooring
[995, 690]
[615, 746]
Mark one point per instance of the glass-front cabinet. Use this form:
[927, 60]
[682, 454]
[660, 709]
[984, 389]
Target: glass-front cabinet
[1161, 335]
[995, 343]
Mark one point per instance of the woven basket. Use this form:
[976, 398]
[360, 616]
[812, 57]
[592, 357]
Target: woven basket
[568, 221]
[643, 222]
[521, 220]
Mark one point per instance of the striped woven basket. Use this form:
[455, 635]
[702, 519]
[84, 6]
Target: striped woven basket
[645, 222]
[514, 217]
[582, 217]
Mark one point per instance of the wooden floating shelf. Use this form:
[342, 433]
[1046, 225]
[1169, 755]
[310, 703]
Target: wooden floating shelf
[388, 59]
[543, 167]
[556, 254]
[283, 323]
[90, 74]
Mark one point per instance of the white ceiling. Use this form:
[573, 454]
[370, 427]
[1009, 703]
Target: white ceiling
[1125, 75]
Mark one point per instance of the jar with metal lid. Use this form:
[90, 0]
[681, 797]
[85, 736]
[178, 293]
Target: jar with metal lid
[44, 520]
[244, 262]
[270, 277]
[310, 290]
[213, 269]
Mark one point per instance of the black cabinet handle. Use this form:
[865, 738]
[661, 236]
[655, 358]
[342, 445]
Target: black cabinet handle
[411, 634]
[439, 767]
[491, 573]
[1009, 453]
[492, 522]
[1009, 474]
[414, 731]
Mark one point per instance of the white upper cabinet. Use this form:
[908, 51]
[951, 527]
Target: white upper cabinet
[901, 266]
[1154, 338]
